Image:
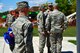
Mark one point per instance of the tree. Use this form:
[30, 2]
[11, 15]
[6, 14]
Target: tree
[73, 7]
[3, 13]
[66, 6]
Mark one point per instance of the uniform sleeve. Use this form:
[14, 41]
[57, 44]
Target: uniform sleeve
[38, 19]
[65, 22]
[30, 28]
[7, 19]
[38, 22]
[27, 30]
[48, 22]
[29, 34]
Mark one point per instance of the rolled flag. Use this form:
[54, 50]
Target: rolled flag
[9, 36]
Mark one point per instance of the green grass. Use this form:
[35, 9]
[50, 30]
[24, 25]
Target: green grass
[70, 31]
[35, 32]
[2, 30]
[73, 41]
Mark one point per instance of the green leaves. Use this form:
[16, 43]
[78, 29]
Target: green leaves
[4, 16]
[67, 6]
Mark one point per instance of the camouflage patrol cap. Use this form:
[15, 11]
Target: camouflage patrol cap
[23, 4]
[50, 4]
[55, 4]
[42, 7]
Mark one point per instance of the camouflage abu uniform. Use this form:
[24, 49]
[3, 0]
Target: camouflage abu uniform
[58, 24]
[22, 29]
[41, 17]
[42, 38]
[49, 10]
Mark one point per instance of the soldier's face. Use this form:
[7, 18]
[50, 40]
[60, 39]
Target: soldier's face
[50, 7]
[14, 13]
[26, 9]
[43, 10]
[21, 13]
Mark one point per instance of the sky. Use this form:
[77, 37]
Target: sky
[6, 5]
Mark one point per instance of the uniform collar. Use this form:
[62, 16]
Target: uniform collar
[55, 10]
[23, 17]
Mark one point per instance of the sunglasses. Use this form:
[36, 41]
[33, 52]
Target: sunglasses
[50, 6]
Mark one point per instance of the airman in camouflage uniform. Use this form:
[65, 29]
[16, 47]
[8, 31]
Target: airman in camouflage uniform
[49, 10]
[58, 23]
[22, 29]
[41, 18]
[9, 19]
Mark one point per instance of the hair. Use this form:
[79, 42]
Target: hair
[14, 11]
[24, 10]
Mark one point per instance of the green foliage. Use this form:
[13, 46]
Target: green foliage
[36, 12]
[66, 6]
[3, 13]
[73, 41]
[4, 16]
[2, 31]
[73, 8]
[29, 12]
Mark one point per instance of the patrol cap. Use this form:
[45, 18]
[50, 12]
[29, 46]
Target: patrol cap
[42, 7]
[55, 4]
[50, 4]
[23, 4]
